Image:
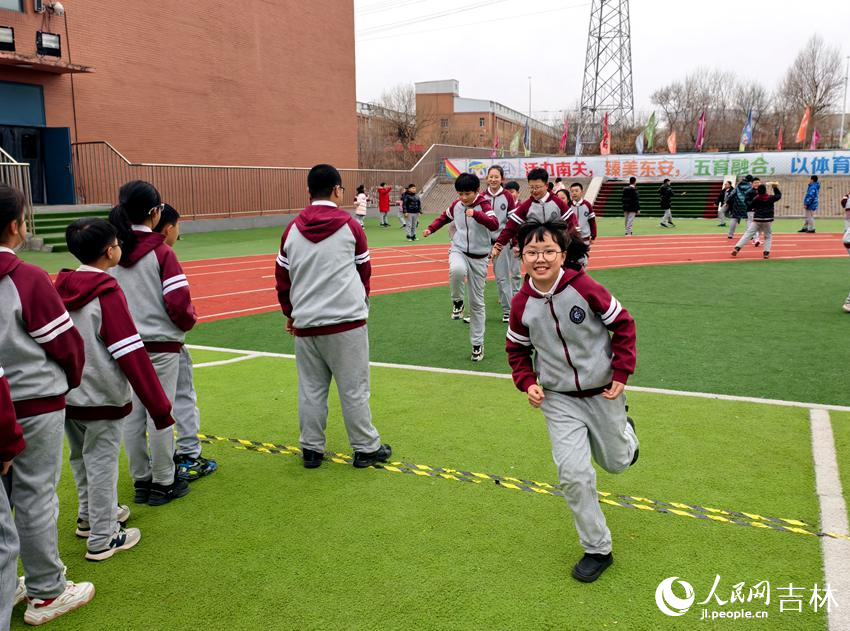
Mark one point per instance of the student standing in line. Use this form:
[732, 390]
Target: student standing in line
[502, 203]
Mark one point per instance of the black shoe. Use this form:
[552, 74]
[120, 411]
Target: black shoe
[312, 459]
[477, 353]
[143, 491]
[591, 566]
[670, 224]
[363, 460]
[189, 468]
[812, 231]
[803, 229]
[457, 309]
[161, 494]
[637, 451]
[766, 255]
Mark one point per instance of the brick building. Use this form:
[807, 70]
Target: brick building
[446, 117]
[190, 82]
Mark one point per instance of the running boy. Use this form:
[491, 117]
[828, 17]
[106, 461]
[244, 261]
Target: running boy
[42, 355]
[562, 356]
[541, 206]
[412, 207]
[502, 203]
[473, 219]
[384, 203]
[115, 361]
[190, 464]
[322, 279]
[762, 205]
[666, 194]
[158, 295]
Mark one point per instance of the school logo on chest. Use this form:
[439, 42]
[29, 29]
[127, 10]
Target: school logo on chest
[577, 315]
[503, 206]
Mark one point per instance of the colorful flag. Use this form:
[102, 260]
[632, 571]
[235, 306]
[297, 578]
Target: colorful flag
[846, 143]
[515, 144]
[815, 139]
[649, 132]
[700, 132]
[804, 126]
[639, 143]
[605, 143]
[451, 170]
[526, 141]
[563, 144]
[495, 151]
[779, 141]
[671, 142]
[747, 132]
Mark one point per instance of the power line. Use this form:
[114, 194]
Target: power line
[428, 18]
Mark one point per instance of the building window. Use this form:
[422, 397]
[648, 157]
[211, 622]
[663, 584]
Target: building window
[12, 5]
[444, 122]
[481, 122]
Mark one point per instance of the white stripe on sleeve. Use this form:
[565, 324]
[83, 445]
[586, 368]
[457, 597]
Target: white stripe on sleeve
[44, 339]
[518, 339]
[1, 372]
[50, 325]
[173, 286]
[283, 261]
[359, 259]
[120, 343]
[613, 311]
[128, 349]
[174, 279]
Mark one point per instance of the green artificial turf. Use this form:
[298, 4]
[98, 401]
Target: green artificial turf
[841, 436]
[207, 245]
[265, 543]
[754, 328]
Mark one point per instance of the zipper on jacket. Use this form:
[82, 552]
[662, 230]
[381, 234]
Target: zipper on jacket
[564, 342]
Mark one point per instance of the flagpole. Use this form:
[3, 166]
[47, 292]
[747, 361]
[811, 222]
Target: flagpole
[844, 108]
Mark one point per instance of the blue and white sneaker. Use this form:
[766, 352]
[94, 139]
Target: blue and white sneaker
[190, 469]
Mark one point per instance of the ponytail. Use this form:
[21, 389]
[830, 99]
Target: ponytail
[136, 201]
[119, 219]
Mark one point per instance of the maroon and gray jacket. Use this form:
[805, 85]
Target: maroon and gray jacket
[115, 353]
[472, 234]
[502, 204]
[323, 270]
[11, 434]
[157, 292]
[566, 332]
[41, 350]
[548, 208]
[586, 219]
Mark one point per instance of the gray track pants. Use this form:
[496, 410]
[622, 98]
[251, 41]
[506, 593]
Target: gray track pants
[412, 224]
[475, 272]
[9, 548]
[765, 227]
[580, 428]
[630, 222]
[345, 357]
[35, 475]
[668, 216]
[156, 464]
[506, 271]
[94, 447]
[187, 417]
[809, 221]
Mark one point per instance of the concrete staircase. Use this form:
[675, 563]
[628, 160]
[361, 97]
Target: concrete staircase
[699, 201]
[51, 222]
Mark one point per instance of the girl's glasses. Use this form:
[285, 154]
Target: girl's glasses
[533, 255]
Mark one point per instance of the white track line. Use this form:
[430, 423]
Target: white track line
[833, 514]
[222, 362]
[497, 375]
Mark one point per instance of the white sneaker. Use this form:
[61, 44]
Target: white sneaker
[846, 307]
[124, 539]
[75, 596]
[84, 528]
[20, 590]
[506, 317]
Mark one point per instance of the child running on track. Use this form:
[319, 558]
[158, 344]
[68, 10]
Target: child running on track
[502, 203]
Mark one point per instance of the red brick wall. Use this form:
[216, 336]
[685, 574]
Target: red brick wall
[246, 82]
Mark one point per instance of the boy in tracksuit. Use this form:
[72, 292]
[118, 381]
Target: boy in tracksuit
[502, 203]
[11, 445]
[541, 206]
[473, 219]
[190, 464]
[412, 208]
[810, 204]
[115, 360]
[322, 279]
[631, 205]
[763, 210]
[584, 211]
[571, 347]
[665, 193]
[42, 355]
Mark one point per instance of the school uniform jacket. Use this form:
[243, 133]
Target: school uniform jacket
[472, 234]
[40, 349]
[566, 332]
[157, 292]
[763, 206]
[11, 434]
[323, 270]
[115, 353]
[548, 208]
[586, 219]
[502, 203]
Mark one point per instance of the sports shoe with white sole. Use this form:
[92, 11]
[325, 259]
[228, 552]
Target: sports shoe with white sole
[20, 591]
[846, 307]
[75, 596]
[457, 309]
[84, 528]
[124, 539]
[477, 353]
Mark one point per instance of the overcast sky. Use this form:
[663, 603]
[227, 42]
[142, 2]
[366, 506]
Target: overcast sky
[492, 47]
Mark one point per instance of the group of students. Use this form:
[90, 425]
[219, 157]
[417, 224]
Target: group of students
[96, 356]
[570, 344]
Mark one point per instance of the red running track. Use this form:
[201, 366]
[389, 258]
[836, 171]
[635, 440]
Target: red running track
[232, 287]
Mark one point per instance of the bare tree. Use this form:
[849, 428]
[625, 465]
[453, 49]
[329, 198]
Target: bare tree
[399, 110]
[814, 80]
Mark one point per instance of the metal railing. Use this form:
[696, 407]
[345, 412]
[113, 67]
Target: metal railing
[216, 192]
[17, 175]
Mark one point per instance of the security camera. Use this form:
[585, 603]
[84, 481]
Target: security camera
[56, 8]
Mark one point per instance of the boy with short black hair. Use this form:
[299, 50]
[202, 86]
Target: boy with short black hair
[584, 211]
[473, 219]
[116, 360]
[322, 280]
[810, 204]
[190, 464]
[631, 205]
[412, 207]
[665, 192]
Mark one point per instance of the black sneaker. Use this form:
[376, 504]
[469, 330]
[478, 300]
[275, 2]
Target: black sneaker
[312, 459]
[765, 255]
[637, 451]
[812, 231]
[363, 459]
[457, 309]
[143, 491]
[803, 229]
[670, 224]
[591, 566]
[477, 353]
[189, 468]
[161, 494]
